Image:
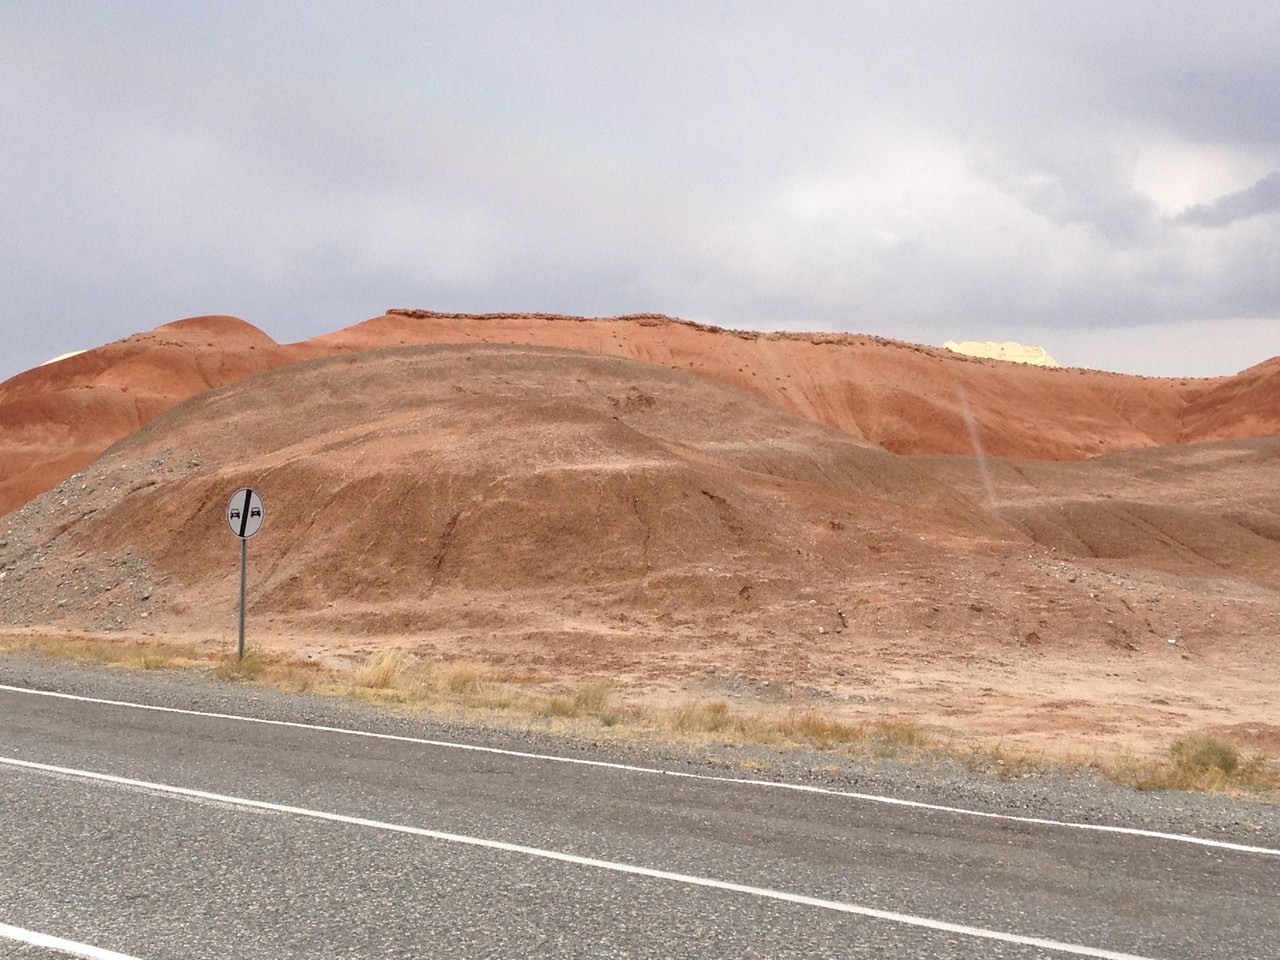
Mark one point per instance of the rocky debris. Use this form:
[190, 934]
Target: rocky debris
[46, 580]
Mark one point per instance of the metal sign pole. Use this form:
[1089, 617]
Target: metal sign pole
[244, 576]
[245, 515]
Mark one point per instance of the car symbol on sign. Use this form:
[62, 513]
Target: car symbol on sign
[255, 512]
[235, 514]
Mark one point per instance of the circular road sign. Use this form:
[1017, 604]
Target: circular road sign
[245, 513]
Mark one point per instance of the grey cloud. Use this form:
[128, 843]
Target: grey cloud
[1233, 102]
[1068, 186]
[304, 167]
[1261, 198]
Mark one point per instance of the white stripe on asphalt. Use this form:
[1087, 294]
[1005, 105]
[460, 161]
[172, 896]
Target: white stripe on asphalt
[798, 787]
[627, 868]
[31, 938]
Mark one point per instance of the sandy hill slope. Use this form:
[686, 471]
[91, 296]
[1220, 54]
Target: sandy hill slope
[592, 507]
[903, 397]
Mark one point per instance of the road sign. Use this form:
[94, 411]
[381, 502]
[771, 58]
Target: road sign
[245, 513]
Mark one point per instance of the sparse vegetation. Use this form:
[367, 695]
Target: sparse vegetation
[1205, 753]
[807, 727]
[1204, 764]
[156, 660]
[396, 677]
[232, 667]
[461, 679]
[149, 655]
[382, 670]
[592, 698]
[696, 717]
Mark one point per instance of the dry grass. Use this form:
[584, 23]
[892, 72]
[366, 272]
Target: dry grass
[147, 655]
[382, 670]
[464, 687]
[250, 667]
[1000, 761]
[810, 728]
[1201, 764]
[461, 679]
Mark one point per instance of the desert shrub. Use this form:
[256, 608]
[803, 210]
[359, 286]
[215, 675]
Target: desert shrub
[1205, 753]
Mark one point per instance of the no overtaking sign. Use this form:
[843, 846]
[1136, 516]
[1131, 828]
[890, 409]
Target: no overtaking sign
[245, 513]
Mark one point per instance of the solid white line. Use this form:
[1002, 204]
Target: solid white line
[31, 938]
[627, 768]
[626, 868]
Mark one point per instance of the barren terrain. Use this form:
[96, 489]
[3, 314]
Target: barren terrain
[1062, 561]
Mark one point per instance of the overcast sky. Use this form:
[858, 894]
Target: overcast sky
[1101, 179]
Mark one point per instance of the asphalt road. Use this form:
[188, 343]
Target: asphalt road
[294, 841]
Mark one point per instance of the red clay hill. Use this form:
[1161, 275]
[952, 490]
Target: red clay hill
[745, 502]
[530, 491]
[905, 398]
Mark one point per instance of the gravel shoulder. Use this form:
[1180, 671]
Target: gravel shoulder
[1078, 797]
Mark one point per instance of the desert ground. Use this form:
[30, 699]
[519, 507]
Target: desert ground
[1063, 563]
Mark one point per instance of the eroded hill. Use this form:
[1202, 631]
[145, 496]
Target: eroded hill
[565, 514]
[903, 397]
[521, 495]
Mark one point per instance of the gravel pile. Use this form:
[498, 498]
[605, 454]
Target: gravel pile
[42, 581]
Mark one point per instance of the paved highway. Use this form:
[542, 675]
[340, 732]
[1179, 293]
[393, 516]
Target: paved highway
[155, 833]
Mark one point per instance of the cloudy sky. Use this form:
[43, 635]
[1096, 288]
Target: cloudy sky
[1099, 178]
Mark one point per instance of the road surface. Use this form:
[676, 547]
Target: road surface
[155, 833]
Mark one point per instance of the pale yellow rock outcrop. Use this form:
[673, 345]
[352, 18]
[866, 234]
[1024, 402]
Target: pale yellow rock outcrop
[62, 356]
[1015, 352]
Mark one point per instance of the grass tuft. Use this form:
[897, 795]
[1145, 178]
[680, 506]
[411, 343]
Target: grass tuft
[156, 660]
[697, 717]
[461, 679]
[592, 698]
[559, 707]
[382, 670]
[231, 667]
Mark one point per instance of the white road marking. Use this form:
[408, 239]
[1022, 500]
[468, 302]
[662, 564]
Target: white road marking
[654, 771]
[616, 867]
[31, 938]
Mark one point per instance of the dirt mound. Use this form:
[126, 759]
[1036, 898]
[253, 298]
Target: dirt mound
[401, 477]
[592, 507]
